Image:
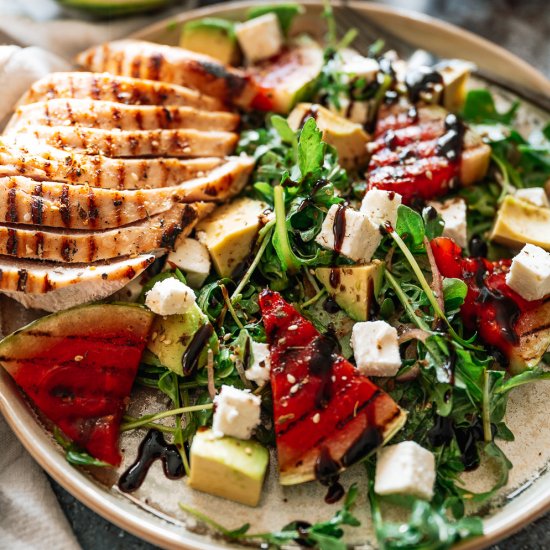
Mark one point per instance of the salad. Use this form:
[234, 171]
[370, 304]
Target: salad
[372, 284]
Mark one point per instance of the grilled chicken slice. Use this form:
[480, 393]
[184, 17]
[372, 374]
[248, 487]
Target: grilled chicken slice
[52, 286]
[138, 143]
[120, 89]
[107, 115]
[151, 61]
[54, 204]
[23, 155]
[158, 232]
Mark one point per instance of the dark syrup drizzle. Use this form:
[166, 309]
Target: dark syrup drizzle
[190, 358]
[421, 80]
[326, 472]
[450, 144]
[152, 448]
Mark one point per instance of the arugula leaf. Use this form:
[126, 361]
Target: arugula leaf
[454, 293]
[479, 107]
[410, 226]
[311, 150]
[75, 455]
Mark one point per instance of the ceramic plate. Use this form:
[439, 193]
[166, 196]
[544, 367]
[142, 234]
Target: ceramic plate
[152, 513]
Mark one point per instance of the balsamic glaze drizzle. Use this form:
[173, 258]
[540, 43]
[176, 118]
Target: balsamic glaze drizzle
[421, 80]
[153, 447]
[190, 358]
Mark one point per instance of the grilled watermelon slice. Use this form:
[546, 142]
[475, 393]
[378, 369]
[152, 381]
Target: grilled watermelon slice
[78, 367]
[322, 405]
[424, 153]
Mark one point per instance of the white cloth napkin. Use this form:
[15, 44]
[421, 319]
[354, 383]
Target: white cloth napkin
[37, 39]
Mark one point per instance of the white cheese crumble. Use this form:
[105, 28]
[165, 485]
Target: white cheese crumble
[529, 273]
[381, 206]
[260, 38]
[375, 348]
[193, 259]
[260, 364]
[236, 413]
[405, 469]
[361, 236]
[453, 212]
[169, 297]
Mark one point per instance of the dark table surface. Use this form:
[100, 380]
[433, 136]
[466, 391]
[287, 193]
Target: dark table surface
[521, 26]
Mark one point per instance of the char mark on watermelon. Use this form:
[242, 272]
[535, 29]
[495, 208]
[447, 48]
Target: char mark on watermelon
[78, 368]
[325, 411]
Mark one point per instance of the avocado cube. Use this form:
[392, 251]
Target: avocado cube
[172, 335]
[347, 137]
[519, 222]
[229, 233]
[227, 467]
[211, 36]
[354, 288]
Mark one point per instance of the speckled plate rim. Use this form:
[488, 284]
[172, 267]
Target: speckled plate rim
[171, 535]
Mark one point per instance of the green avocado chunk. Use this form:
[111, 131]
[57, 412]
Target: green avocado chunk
[353, 287]
[211, 36]
[285, 13]
[227, 467]
[172, 336]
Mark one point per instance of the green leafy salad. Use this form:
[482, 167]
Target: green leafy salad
[369, 299]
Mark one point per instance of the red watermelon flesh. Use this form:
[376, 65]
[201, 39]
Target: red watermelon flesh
[78, 367]
[321, 403]
[407, 153]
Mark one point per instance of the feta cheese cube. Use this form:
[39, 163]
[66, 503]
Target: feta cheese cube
[375, 348]
[193, 259]
[169, 297]
[260, 38]
[534, 195]
[358, 66]
[360, 239]
[453, 212]
[260, 365]
[529, 273]
[236, 413]
[405, 469]
[381, 206]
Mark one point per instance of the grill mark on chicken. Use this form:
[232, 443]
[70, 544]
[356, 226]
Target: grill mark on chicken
[69, 109]
[95, 91]
[22, 276]
[138, 115]
[66, 249]
[36, 205]
[12, 243]
[93, 211]
[155, 63]
[115, 89]
[47, 284]
[11, 213]
[65, 209]
[135, 67]
[92, 248]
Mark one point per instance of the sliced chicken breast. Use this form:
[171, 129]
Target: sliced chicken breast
[52, 286]
[158, 232]
[24, 155]
[107, 115]
[151, 61]
[138, 143]
[121, 89]
[54, 204]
